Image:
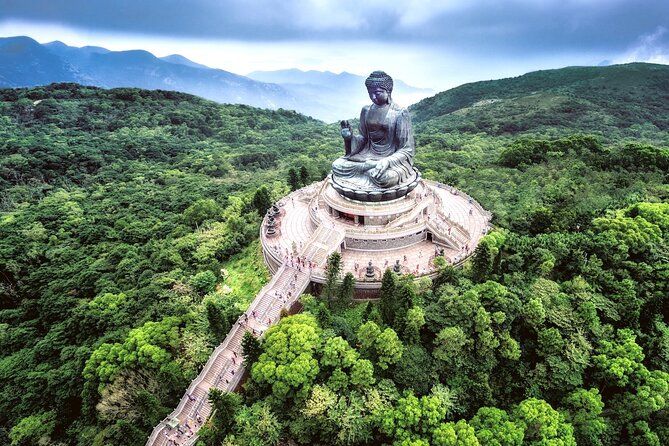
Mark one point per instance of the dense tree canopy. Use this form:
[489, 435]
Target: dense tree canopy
[128, 221]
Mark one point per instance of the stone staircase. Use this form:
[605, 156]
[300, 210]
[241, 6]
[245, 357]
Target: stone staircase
[323, 241]
[224, 368]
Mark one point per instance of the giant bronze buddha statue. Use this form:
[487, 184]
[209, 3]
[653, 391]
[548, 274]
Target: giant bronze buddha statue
[378, 163]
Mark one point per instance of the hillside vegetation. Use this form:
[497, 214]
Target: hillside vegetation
[128, 221]
[613, 101]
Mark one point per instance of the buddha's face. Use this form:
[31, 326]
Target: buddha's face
[379, 96]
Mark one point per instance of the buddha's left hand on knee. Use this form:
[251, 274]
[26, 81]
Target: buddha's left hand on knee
[380, 169]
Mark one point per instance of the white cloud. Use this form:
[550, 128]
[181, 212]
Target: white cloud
[649, 47]
[434, 66]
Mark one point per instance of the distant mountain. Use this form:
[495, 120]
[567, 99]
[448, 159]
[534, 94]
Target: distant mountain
[629, 99]
[24, 62]
[334, 96]
[180, 60]
[323, 95]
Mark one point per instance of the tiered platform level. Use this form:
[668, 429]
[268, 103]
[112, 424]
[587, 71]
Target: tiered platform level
[433, 219]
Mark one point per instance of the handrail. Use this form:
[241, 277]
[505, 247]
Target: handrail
[432, 226]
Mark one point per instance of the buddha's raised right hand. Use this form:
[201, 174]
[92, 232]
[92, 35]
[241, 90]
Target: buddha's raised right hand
[346, 131]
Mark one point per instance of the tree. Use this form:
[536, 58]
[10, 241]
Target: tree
[362, 373]
[227, 405]
[416, 418]
[486, 253]
[405, 297]
[640, 434]
[251, 349]
[482, 262]
[332, 273]
[262, 200]
[367, 335]
[494, 427]
[388, 347]
[346, 290]
[288, 363]
[449, 344]
[293, 179]
[584, 409]
[543, 424]
[257, 426]
[384, 345]
[415, 319]
[387, 304]
[304, 176]
[203, 282]
[34, 429]
[454, 434]
[337, 353]
[415, 370]
[201, 211]
[151, 346]
[619, 360]
[217, 322]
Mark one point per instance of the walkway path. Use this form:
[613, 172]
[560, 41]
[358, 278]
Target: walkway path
[224, 368]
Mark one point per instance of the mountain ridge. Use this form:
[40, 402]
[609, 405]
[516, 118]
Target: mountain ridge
[90, 65]
[133, 68]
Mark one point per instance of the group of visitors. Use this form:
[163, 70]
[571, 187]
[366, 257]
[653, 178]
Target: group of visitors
[185, 431]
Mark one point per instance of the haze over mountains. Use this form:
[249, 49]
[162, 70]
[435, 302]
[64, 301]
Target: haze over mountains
[335, 95]
[328, 96]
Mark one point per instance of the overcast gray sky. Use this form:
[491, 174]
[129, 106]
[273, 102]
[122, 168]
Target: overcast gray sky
[436, 44]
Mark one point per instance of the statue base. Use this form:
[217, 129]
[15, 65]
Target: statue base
[406, 235]
[351, 190]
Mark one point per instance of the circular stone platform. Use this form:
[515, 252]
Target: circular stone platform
[431, 220]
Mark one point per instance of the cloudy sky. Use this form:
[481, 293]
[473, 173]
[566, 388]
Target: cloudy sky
[436, 44]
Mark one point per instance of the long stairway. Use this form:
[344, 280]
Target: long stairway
[224, 368]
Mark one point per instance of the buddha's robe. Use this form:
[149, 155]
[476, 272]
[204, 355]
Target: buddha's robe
[385, 133]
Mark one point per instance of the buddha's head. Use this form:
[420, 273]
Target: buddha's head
[379, 86]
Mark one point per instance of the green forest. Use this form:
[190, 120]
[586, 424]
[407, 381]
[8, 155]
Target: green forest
[129, 222]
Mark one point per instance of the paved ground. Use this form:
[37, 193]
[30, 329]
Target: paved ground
[446, 209]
